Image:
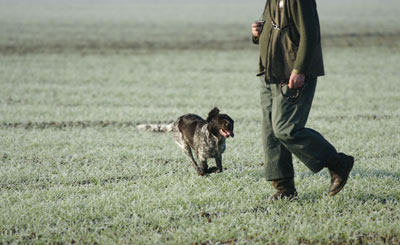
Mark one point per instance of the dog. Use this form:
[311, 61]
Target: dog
[206, 138]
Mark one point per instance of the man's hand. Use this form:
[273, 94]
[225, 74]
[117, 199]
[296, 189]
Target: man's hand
[296, 80]
[255, 28]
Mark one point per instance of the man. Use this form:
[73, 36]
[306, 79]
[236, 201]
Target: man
[290, 62]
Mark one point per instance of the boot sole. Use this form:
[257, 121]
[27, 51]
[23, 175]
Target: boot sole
[351, 163]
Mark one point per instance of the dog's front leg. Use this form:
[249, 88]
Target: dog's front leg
[218, 161]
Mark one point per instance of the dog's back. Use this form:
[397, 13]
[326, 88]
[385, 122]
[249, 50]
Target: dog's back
[186, 127]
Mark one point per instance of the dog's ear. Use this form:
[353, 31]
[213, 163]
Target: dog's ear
[214, 112]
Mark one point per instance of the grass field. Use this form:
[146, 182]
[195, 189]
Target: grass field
[76, 77]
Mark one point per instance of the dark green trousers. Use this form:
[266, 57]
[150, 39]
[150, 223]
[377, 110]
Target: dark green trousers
[284, 133]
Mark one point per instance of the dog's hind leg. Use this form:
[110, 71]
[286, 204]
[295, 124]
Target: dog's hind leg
[180, 141]
[188, 151]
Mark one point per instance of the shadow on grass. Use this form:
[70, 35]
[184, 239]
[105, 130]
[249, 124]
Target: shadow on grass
[356, 172]
[362, 198]
[383, 198]
[359, 196]
[376, 173]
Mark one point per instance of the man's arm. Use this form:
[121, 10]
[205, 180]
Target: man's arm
[303, 15]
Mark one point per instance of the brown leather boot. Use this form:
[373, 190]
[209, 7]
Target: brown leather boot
[285, 189]
[340, 170]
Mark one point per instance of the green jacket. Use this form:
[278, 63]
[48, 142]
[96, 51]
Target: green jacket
[290, 40]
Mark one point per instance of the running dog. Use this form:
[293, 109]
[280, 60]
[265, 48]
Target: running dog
[205, 137]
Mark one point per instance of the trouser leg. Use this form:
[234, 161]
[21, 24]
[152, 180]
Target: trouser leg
[277, 159]
[288, 122]
[284, 133]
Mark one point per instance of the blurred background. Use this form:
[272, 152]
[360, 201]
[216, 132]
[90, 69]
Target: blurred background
[81, 59]
[168, 56]
[122, 25]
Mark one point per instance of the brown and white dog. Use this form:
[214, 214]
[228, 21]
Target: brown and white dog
[205, 137]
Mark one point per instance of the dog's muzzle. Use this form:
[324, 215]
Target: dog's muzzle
[226, 133]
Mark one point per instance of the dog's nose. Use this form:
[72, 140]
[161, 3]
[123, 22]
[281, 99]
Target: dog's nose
[232, 134]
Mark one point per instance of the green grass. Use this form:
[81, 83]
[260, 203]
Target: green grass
[76, 77]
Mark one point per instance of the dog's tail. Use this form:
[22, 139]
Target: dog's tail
[156, 127]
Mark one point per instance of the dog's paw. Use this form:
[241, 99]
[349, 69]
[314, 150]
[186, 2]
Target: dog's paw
[213, 170]
[202, 172]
